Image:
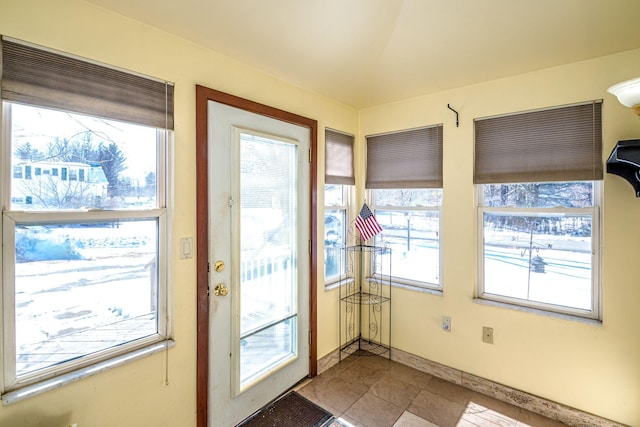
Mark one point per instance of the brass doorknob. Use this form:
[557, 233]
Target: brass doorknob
[220, 290]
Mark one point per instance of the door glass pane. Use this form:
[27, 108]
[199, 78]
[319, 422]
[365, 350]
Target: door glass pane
[82, 288]
[264, 350]
[268, 254]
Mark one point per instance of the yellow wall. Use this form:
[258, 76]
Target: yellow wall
[135, 394]
[594, 368]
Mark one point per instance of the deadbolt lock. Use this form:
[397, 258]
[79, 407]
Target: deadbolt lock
[218, 266]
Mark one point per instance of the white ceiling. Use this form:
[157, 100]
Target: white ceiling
[369, 52]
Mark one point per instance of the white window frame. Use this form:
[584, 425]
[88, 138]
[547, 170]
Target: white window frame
[539, 307]
[14, 389]
[425, 286]
[332, 281]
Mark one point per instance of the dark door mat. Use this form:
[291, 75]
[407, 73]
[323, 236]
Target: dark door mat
[291, 410]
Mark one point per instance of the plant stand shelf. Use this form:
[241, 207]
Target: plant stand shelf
[365, 301]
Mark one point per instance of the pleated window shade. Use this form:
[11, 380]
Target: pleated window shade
[557, 144]
[338, 158]
[406, 159]
[49, 79]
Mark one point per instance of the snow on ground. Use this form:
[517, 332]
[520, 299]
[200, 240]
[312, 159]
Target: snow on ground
[566, 280]
[77, 304]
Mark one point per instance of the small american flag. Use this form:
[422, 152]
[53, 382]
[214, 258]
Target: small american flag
[367, 224]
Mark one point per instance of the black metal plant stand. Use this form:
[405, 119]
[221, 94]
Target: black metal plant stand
[365, 301]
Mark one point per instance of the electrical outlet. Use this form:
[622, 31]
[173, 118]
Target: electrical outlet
[487, 334]
[446, 323]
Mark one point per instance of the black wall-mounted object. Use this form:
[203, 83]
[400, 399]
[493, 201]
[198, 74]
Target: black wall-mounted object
[624, 161]
[457, 120]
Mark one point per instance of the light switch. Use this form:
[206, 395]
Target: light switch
[186, 247]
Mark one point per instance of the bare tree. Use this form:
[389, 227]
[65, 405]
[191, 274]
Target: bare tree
[51, 192]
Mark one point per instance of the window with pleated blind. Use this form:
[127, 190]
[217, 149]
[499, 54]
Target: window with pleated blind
[339, 182]
[96, 139]
[539, 189]
[404, 178]
[556, 144]
[405, 159]
[339, 158]
[36, 76]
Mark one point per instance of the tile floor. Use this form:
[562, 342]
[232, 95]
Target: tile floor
[371, 391]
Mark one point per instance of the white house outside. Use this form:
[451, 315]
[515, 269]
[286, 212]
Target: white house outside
[57, 185]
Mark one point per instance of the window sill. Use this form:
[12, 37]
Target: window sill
[424, 290]
[337, 284]
[416, 288]
[562, 316]
[68, 378]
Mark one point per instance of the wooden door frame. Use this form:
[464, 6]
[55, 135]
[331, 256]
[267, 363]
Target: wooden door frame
[203, 96]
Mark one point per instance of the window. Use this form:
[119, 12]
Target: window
[410, 220]
[17, 172]
[84, 271]
[336, 214]
[538, 176]
[339, 179]
[404, 175]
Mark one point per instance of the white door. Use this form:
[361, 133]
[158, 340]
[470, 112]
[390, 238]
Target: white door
[259, 256]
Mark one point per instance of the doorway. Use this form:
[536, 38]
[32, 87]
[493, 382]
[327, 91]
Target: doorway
[256, 273]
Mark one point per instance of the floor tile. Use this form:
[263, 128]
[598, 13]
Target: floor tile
[393, 390]
[339, 367]
[364, 373]
[476, 415]
[530, 419]
[336, 423]
[410, 375]
[496, 405]
[449, 391]
[333, 393]
[349, 422]
[363, 391]
[377, 362]
[407, 419]
[436, 409]
[372, 411]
